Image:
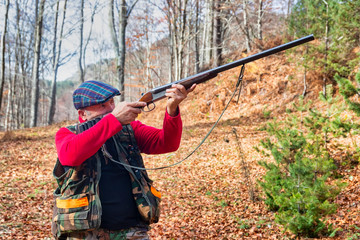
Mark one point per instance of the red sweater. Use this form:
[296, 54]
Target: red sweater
[74, 149]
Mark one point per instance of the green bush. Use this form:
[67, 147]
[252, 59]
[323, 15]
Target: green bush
[296, 184]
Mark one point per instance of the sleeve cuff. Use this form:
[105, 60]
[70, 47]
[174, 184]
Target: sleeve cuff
[169, 116]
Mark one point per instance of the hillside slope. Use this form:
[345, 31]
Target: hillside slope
[209, 195]
[216, 186]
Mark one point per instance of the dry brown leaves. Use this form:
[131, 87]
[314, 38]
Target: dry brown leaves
[205, 197]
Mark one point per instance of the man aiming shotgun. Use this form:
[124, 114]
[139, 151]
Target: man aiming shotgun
[158, 93]
[97, 193]
[104, 191]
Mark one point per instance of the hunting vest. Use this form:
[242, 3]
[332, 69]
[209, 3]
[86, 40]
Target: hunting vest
[77, 203]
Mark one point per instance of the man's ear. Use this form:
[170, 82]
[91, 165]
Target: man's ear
[82, 114]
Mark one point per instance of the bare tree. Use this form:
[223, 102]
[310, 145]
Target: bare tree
[197, 28]
[169, 18]
[57, 42]
[12, 119]
[81, 40]
[35, 71]
[326, 47]
[179, 14]
[10, 95]
[246, 26]
[24, 46]
[83, 48]
[218, 27]
[3, 38]
[259, 18]
[208, 34]
[118, 39]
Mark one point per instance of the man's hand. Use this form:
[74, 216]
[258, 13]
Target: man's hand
[126, 112]
[176, 94]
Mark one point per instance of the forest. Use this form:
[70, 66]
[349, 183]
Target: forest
[282, 162]
[134, 45]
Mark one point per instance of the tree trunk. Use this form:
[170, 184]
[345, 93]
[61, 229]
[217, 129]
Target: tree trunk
[259, 19]
[246, 27]
[305, 85]
[305, 73]
[3, 38]
[209, 26]
[119, 40]
[197, 55]
[181, 40]
[148, 79]
[17, 74]
[169, 18]
[35, 70]
[83, 62]
[171, 50]
[175, 36]
[123, 18]
[8, 114]
[172, 57]
[289, 7]
[81, 70]
[112, 28]
[326, 47]
[218, 35]
[56, 58]
[187, 63]
[26, 81]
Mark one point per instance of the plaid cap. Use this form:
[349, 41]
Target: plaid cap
[93, 92]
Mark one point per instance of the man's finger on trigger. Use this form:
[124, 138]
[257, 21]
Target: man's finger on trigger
[137, 104]
[136, 110]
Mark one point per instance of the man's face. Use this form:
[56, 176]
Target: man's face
[97, 110]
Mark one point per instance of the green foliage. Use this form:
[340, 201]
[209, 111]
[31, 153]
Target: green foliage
[338, 24]
[348, 90]
[348, 20]
[266, 112]
[296, 184]
[243, 224]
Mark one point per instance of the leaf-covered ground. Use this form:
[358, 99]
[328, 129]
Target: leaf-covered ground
[205, 197]
[208, 196]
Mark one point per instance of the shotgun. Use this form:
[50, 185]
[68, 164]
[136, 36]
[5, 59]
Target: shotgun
[158, 93]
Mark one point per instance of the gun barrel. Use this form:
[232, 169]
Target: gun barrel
[206, 75]
[264, 53]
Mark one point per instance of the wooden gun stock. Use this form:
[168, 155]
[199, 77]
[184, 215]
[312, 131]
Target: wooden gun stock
[158, 93]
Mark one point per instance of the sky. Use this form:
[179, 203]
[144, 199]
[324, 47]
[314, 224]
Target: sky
[100, 32]
[101, 46]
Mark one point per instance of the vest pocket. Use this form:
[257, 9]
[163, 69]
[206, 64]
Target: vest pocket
[72, 204]
[147, 199]
[76, 221]
[74, 212]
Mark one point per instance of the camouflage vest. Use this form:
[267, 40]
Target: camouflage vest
[77, 203]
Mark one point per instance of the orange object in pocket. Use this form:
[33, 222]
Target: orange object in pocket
[155, 192]
[72, 203]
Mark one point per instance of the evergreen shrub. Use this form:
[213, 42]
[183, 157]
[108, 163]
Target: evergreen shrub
[297, 183]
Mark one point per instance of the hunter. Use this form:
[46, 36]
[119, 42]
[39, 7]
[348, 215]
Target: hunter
[101, 194]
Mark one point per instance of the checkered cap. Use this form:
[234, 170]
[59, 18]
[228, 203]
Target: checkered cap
[93, 92]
